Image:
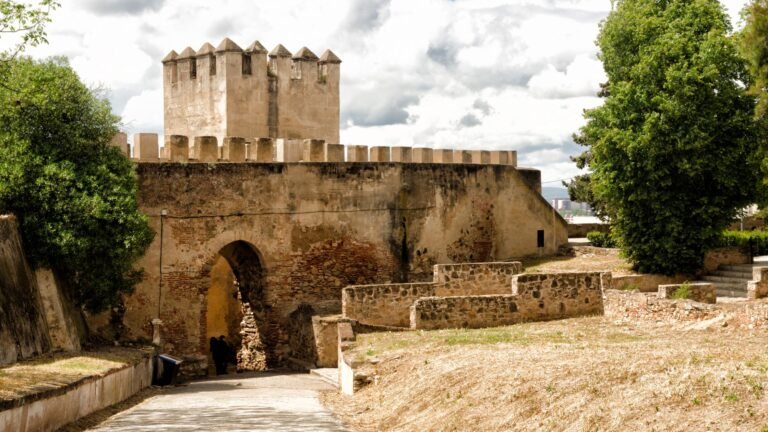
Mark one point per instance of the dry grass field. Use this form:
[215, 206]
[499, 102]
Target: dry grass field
[583, 374]
[61, 369]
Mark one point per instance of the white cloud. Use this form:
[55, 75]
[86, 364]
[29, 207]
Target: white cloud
[144, 112]
[581, 78]
[505, 74]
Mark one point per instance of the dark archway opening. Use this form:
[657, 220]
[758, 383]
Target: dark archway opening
[235, 306]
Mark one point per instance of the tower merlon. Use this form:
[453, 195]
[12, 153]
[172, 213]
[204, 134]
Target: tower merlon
[481, 157]
[313, 150]
[177, 148]
[170, 57]
[206, 50]
[357, 153]
[266, 151]
[227, 45]
[256, 48]
[462, 156]
[333, 153]
[145, 147]
[442, 156]
[400, 154]
[422, 155]
[233, 149]
[379, 154]
[329, 57]
[205, 149]
[120, 140]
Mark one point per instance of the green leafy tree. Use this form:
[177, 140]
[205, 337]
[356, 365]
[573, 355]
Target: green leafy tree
[74, 194]
[753, 44]
[671, 149]
[24, 23]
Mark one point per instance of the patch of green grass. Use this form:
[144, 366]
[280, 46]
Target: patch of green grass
[683, 292]
[730, 397]
[619, 337]
[629, 287]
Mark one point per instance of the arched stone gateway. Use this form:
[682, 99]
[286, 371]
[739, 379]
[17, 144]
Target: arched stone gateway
[247, 289]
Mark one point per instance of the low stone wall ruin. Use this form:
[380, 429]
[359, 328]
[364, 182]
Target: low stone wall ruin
[697, 291]
[387, 304]
[534, 297]
[390, 304]
[474, 279]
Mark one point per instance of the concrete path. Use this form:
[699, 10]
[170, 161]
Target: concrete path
[243, 402]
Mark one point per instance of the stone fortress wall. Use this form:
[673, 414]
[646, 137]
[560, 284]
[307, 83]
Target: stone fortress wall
[230, 91]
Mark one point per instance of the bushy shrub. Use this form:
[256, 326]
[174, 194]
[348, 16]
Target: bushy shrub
[600, 239]
[756, 241]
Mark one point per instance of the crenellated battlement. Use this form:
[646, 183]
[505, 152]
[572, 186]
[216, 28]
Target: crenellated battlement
[230, 91]
[180, 148]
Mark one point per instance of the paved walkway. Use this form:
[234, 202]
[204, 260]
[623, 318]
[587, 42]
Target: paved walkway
[244, 402]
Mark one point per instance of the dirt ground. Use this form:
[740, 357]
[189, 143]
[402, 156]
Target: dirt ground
[583, 374]
[586, 259]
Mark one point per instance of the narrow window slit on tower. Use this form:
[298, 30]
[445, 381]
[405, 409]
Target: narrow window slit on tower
[212, 62]
[322, 73]
[246, 64]
[295, 70]
[193, 69]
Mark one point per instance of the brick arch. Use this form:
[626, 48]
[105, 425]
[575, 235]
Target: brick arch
[247, 264]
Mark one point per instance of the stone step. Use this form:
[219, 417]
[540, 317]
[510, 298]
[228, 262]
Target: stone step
[725, 280]
[733, 274]
[724, 292]
[741, 267]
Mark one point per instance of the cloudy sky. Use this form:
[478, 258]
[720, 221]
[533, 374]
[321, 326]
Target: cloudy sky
[475, 74]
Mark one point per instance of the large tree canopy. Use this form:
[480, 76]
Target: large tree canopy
[74, 194]
[671, 148]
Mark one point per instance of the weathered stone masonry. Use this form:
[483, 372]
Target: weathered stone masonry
[318, 227]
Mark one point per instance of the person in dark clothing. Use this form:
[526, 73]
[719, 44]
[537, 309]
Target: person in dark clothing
[215, 352]
[224, 348]
[219, 354]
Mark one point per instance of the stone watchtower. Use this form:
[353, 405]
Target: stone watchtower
[228, 91]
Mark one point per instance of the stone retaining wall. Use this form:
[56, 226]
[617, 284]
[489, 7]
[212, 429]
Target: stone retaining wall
[475, 278]
[390, 304]
[387, 304]
[535, 297]
[51, 410]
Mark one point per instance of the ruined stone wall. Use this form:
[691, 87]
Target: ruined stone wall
[390, 304]
[475, 278]
[385, 304]
[317, 228]
[535, 297]
[23, 329]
